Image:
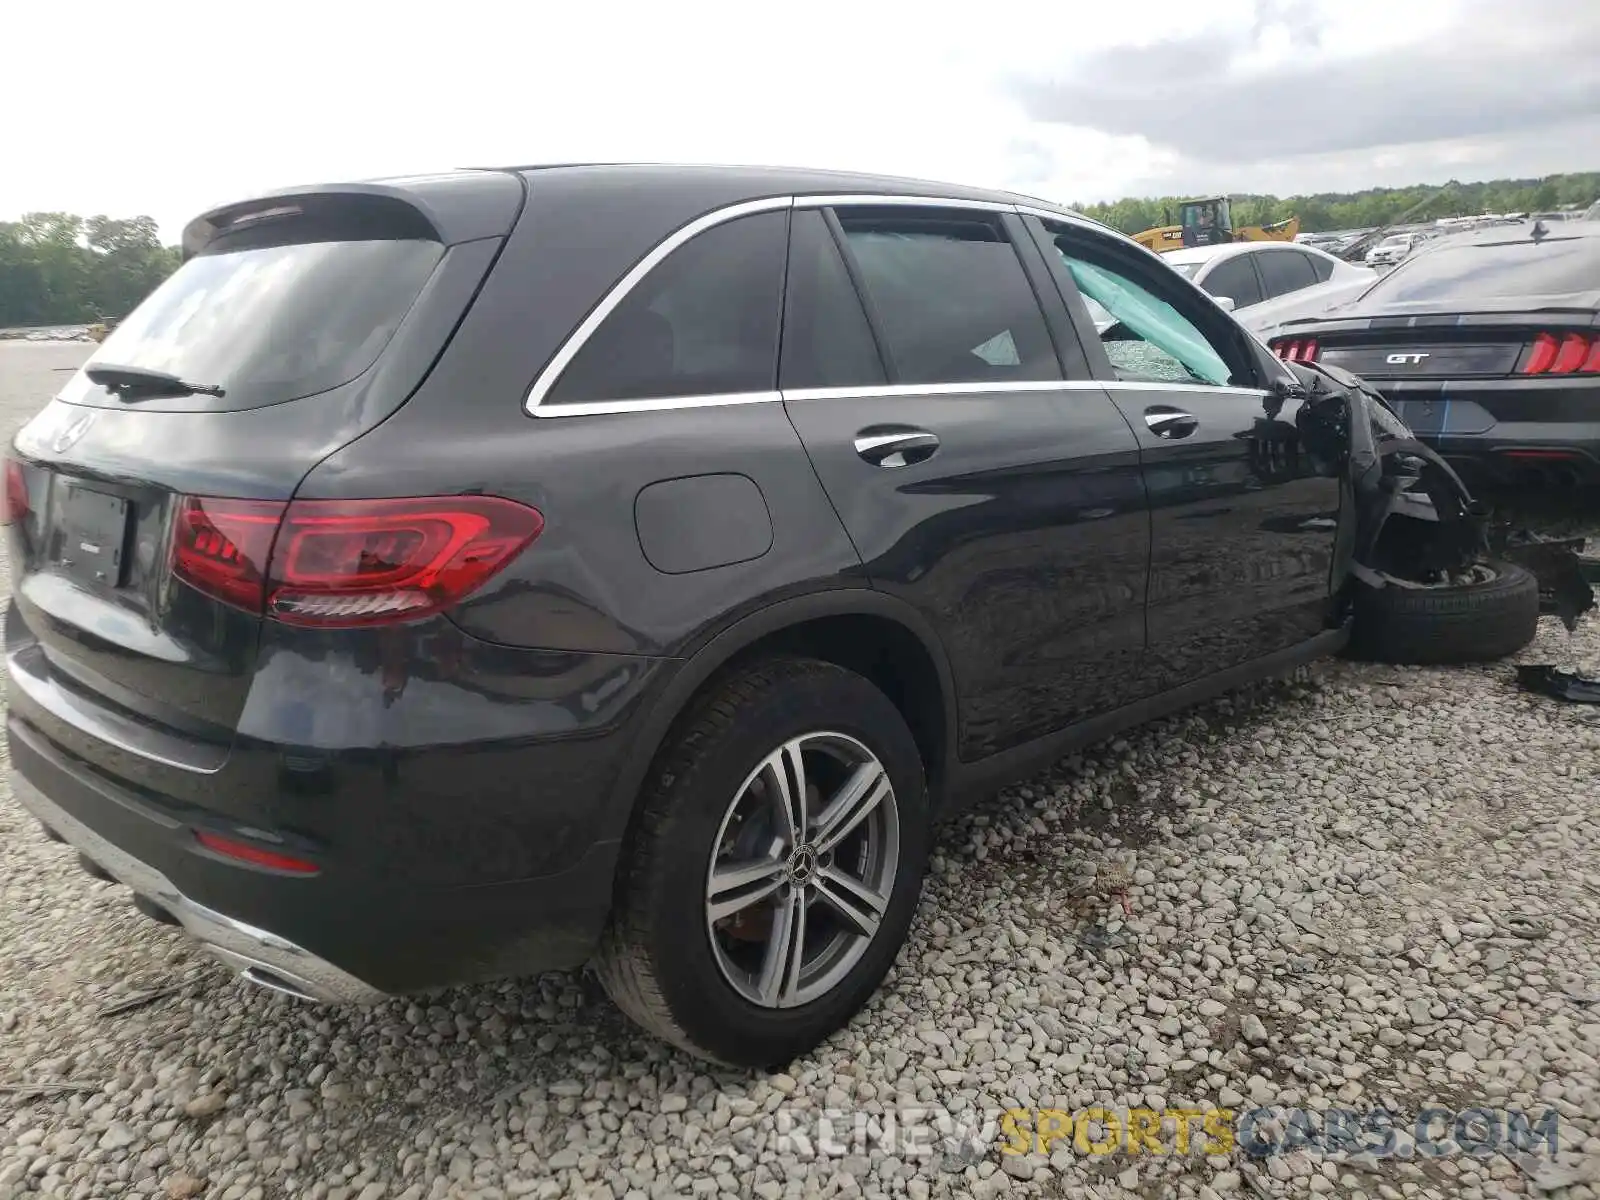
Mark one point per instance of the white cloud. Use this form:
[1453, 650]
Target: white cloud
[170, 106]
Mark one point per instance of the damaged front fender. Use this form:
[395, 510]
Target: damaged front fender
[1416, 523]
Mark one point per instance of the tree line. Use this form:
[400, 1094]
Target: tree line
[61, 269]
[1373, 207]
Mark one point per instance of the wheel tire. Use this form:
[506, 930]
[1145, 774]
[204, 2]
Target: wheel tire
[656, 959]
[1474, 622]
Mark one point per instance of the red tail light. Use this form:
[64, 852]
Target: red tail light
[1574, 349]
[1543, 354]
[348, 562]
[1563, 354]
[16, 494]
[1304, 350]
[221, 547]
[256, 856]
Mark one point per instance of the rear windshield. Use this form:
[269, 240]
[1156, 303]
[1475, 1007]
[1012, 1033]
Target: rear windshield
[267, 323]
[1553, 267]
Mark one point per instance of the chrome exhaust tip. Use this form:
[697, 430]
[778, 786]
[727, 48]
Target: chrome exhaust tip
[263, 978]
[260, 975]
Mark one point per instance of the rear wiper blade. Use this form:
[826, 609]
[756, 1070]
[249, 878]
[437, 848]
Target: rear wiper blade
[140, 383]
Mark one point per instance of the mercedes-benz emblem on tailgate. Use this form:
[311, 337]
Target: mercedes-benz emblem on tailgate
[70, 435]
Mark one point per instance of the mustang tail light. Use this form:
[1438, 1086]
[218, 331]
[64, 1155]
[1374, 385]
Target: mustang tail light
[347, 562]
[1297, 350]
[1562, 354]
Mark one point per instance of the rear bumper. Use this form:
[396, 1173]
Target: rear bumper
[1532, 455]
[456, 802]
[483, 847]
[257, 955]
[1529, 432]
[353, 932]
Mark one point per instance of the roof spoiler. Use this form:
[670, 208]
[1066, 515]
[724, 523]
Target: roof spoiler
[459, 206]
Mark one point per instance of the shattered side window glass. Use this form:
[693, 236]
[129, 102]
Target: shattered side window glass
[1145, 338]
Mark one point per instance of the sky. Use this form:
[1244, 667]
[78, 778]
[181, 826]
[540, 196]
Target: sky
[167, 107]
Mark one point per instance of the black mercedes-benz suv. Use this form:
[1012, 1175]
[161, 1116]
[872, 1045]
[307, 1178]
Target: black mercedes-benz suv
[457, 577]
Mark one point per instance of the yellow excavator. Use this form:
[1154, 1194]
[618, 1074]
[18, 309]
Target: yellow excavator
[1208, 222]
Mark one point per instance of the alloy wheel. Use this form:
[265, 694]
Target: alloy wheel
[803, 869]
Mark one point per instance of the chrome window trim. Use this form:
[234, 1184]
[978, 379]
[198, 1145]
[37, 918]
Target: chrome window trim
[593, 408]
[878, 392]
[1150, 385]
[619, 292]
[860, 198]
[890, 390]
[535, 403]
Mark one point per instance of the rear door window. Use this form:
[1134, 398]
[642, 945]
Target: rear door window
[826, 339]
[704, 322]
[949, 296]
[1285, 271]
[1321, 266]
[1235, 278]
[268, 319]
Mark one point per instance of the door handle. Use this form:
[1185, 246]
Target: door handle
[1171, 423]
[895, 445]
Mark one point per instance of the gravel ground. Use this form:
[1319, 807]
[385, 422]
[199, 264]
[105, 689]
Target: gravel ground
[1361, 886]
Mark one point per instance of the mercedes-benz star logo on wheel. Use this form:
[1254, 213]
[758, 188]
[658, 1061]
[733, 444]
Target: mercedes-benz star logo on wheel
[802, 866]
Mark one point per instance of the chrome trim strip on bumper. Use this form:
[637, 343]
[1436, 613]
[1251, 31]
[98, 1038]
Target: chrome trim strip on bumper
[261, 957]
[29, 674]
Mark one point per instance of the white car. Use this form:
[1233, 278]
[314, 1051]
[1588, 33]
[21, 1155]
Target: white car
[1265, 283]
[1393, 248]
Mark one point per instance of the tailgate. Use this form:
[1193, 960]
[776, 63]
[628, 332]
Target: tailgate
[143, 502]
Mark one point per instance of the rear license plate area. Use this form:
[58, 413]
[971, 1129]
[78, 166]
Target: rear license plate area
[1442, 417]
[92, 537]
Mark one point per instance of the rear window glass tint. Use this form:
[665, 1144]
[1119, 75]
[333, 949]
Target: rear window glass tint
[270, 323]
[950, 298]
[826, 339]
[1236, 279]
[1285, 271]
[704, 322]
[1555, 267]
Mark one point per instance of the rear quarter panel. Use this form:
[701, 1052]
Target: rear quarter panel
[587, 584]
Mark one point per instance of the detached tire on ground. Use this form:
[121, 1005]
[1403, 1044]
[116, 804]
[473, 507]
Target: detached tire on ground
[774, 867]
[1461, 623]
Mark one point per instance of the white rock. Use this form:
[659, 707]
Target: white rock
[1300, 848]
